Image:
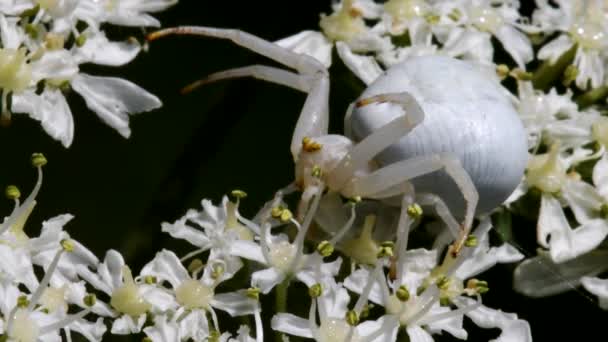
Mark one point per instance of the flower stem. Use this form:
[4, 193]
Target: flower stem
[281, 293]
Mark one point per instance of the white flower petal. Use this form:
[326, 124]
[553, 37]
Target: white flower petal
[516, 44]
[389, 327]
[600, 176]
[417, 334]
[16, 266]
[555, 48]
[540, 277]
[235, 303]
[248, 250]
[563, 242]
[180, 230]
[159, 298]
[469, 44]
[513, 328]
[267, 279]
[194, 325]
[51, 109]
[92, 331]
[484, 258]
[113, 99]
[56, 64]
[598, 287]
[166, 266]
[415, 266]
[365, 67]
[452, 325]
[125, 325]
[291, 324]
[163, 331]
[590, 68]
[582, 198]
[311, 43]
[9, 31]
[358, 279]
[99, 50]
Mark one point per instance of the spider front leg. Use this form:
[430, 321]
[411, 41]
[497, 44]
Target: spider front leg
[377, 182]
[312, 76]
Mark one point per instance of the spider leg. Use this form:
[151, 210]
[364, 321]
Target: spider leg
[441, 209]
[302, 63]
[261, 72]
[396, 173]
[366, 149]
[314, 118]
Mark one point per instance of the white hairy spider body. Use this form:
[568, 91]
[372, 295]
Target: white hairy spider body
[467, 115]
[386, 113]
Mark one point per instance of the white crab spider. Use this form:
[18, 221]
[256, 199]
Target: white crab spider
[377, 120]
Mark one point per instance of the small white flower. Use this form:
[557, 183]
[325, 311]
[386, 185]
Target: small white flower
[129, 300]
[598, 287]
[197, 296]
[582, 24]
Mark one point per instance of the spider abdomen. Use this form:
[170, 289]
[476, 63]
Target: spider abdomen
[467, 114]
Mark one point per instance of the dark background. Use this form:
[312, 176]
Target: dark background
[233, 134]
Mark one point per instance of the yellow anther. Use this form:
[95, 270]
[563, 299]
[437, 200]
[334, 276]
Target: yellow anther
[432, 18]
[352, 318]
[217, 271]
[403, 294]
[22, 301]
[12, 192]
[253, 293]
[38, 159]
[316, 171]
[476, 286]
[414, 211]
[286, 215]
[81, 40]
[315, 290]
[443, 283]
[386, 249]
[455, 14]
[325, 248]
[276, 212]
[146, 339]
[310, 145]
[502, 70]
[150, 280]
[89, 299]
[195, 265]
[471, 241]
[354, 200]
[365, 311]
[67, 245]
[238, 194]
[281, 213]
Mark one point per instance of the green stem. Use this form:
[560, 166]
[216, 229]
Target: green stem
[281, 293]
[548, 72]
[592, 96]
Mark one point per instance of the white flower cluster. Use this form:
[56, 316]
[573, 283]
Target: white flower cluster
[557, 58]
[419, 290]
[44, 42]
[368, 277]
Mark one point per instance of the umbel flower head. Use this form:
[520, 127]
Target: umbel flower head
[42, 45]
